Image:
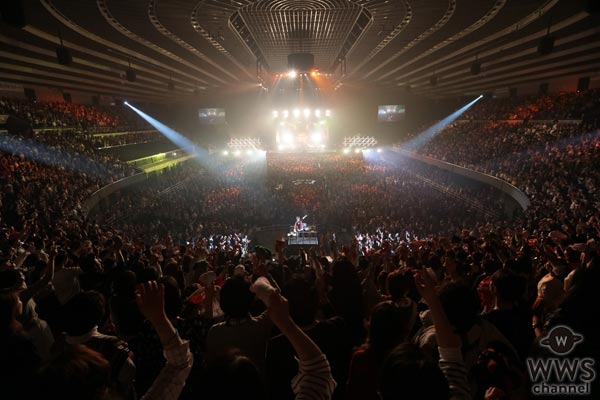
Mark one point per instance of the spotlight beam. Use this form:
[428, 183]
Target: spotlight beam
[175, 137]
[53, 157]
[429, 133]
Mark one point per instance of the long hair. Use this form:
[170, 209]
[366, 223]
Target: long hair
[9, 303]
[387, 329]
[77, 372]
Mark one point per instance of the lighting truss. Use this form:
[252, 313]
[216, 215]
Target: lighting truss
[244, 143]
[360, 141]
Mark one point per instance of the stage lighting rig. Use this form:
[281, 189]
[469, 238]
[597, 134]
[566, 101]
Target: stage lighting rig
[360, 142]
[244, 143]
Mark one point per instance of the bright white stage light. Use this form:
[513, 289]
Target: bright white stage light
[366, 150]
[318, 113]
[280, 147]
[346, 150]
[287, 138]
[316, 137]
[237, 153]
[296, 113]
[275, 113]
[328, 113]
[323, 146]
[286, 113]
[379, 150]
[292, 74]
[225, 153]
[306, 113]
[249, 152]
[357, 151]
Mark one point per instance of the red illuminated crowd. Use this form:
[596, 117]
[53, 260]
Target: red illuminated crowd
[441, 287]
[55, 114]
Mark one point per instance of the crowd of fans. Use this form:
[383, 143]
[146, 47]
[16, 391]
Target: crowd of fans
[42, 114]
[441, 294]
[335, 192]
[556, 106]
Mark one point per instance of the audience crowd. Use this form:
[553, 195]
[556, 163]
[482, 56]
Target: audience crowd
[444, 290]
[42, 114]
[560, 106]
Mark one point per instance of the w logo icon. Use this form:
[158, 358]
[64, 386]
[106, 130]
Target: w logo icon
[560, 375]
[561, 340]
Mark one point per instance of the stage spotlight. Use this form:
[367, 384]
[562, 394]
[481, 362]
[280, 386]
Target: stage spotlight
[346, 150]
[296, 113]
[249, 152]
[316, 137]
[287, 138]
[237, 153]
[275, 113]
[328, 113]
[126, 103]
[379, 150]
[292, 74]
[225, 153]
[366, 151]
[318, 113]
[434, 129]
[357, 151]
[314, 74]
[286, 113]
[323, 146]
[306, 113]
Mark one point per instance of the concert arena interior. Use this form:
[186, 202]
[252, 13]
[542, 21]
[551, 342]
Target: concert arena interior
[299, 199]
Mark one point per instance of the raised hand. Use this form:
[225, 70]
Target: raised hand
[279, 311]
[426, 286]
[150, 300]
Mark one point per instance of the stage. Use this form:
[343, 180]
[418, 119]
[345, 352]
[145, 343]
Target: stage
[303, 239]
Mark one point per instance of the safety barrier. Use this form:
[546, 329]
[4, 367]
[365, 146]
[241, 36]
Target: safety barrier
[511, 190]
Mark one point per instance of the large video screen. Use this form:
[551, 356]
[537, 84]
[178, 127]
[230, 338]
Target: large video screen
[212, 116]
[391, 113]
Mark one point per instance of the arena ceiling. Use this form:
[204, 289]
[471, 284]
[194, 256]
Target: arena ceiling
[202, 46]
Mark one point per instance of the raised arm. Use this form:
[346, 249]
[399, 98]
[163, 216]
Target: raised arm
[449, 344]
[314, 379]
[169, 383]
